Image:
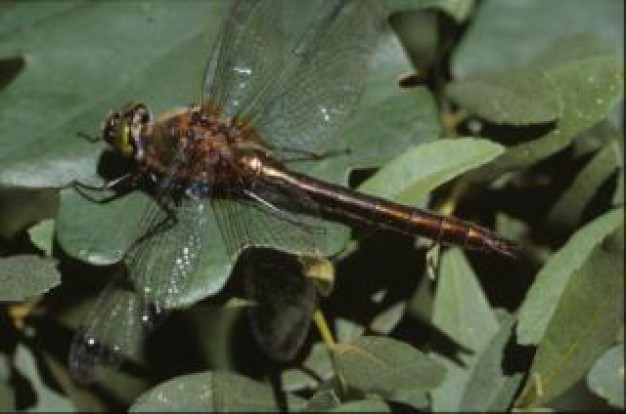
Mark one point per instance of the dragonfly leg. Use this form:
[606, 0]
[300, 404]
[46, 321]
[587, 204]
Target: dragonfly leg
[82, 188]
[89, 138]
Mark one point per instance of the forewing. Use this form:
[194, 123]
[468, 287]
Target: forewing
[249, 52]
[324, 81]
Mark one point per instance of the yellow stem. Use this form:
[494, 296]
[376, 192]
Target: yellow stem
[324, 330]
[331, 344]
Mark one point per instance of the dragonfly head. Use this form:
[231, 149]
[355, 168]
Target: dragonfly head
[127, 132]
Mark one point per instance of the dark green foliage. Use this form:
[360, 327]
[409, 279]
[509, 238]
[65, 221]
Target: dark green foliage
[515, 122]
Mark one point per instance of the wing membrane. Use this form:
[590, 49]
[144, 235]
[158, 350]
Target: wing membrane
[325, 82]
[267, 215]
[248, 55]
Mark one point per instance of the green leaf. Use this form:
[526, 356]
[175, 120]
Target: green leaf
[21, 208]
[85, 228]
[606, 378]
[208, 392]
[81, 61]
[589, 313]
[415, 398]
[543, 297]
[24, 276]
[462, 312]
[387, 319]
[508, 33]
[42, 235]
[412, 175]
[515, 97]
[48, 400]
[324, 399]
[347, 330]
[489, 388]
[315, 368]
[567, 211]
[394, 122]
[7, 397]
[587, 88]
[385, 366]
[366, 405]
[85, 231]
[7, 391]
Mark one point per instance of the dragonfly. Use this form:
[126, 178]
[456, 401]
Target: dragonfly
[272, 92]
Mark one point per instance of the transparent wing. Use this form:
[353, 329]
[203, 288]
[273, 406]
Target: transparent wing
[324, 81]
[269, 215]
[158, 264]
[249, 52]
[113, 332]
[161, 266]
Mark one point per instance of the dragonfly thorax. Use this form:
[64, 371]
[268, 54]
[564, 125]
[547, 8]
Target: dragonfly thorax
[193, 144]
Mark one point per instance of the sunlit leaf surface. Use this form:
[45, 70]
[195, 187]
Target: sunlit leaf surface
[585, 321]
[543, 298]
[25, 276]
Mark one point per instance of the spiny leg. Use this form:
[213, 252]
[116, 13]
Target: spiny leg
[82, 188]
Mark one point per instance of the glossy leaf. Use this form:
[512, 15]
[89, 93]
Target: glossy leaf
[589, 313]
[543, 298]
[24, 276]
[462, 312]
[587, 84]
[411, 176]
[384, 366]
[209, 391]
[85, 228]
[42, 235]
[568, 210]
[489, 388]
[507, 33]
[606, 378]
[516, 97]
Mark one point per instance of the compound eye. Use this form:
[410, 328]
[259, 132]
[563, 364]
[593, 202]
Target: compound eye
[138, 114]
[143, 115]
[111, 126]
